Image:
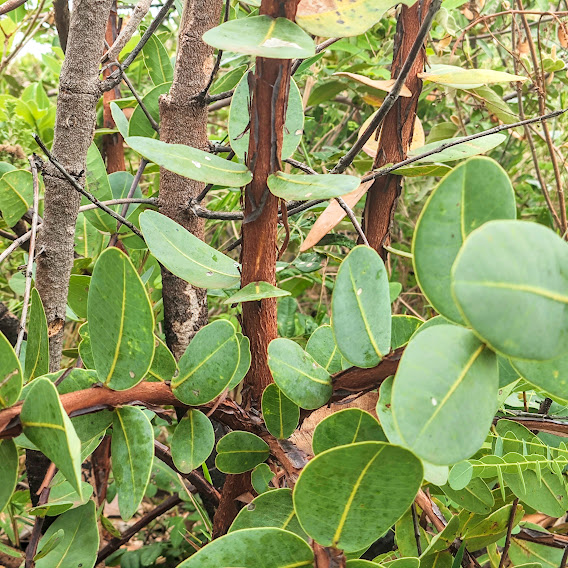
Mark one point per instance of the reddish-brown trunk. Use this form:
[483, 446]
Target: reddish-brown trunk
[269, 89]
[396, 133]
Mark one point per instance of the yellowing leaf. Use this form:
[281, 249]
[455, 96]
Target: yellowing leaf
[452, 76]
[371, 146]
[385, 85]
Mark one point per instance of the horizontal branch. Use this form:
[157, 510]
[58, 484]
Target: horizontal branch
[120, 201]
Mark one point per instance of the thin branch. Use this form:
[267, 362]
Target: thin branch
[197, 200]
[140, 102]
[121, 201]
[76, 185]
[31, 254]
[10, 5]
[392, 96]
[115, 543]
[16, 244]
[319, 48]
[301, 166]
[564, 557]
[219, 215]
[416, 529]
[353, 219]
[509, 531]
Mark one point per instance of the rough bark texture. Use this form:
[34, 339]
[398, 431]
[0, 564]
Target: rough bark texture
[113, 147]
[184, 121]
[270, 88]
[79, 92]
[9, 324]
[396, 132]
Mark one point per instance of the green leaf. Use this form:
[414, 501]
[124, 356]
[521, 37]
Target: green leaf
[342, 18]
[85, 351]
[252, 548]
[132, 450]
[10, 374]
[157, 61]
[492, 528]
[550, 376]
[78, 293]
[139, 125]
[403, 327]
[185, 255]
[460, 475]
[121, 321]
[193, 441]
[208, 364]
[50, 544]
[456, 207]
[444, 394]
[119, 119]
[37, 349]
[280, 414]
[239, 119]
[260, 477]
[304, 187]
[238, 452]
[475, 497]
[262, 36]
[522, 551]
[80, 541]
[360, 308]
[46, 424]
[296, 373]
[244, 361]
[461, 78]
[190, 162]
[321, 346]
[256, 291]
[63, 497]
[8, 471]
[96, 182]
[164, 364]
[228, 81]
[344, 427]
[372, 485]
[272, 509]
[414, 170]
[510, 283]
[458, 152]
[16, 195]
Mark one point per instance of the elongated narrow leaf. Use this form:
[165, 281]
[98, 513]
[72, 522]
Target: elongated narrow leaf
[510, 282]
[96, 182]
[8, 471]
[444, 394]
[191, 162]
[341, 18]
[551, 376]
[345, 427]
[121, 322]
[297, 375]
[372, 485]
[459, 151]
[280, 414]
[139, 125]
[360, 308]
[238, 452]
[252, 548]
[80, 541]
[157, 61]
[46, 424]
[304, 187]
[10, 374]
[119, 119]
[132, 451]
[460, 78]
[16, 195]
[262, 36]
[256, 291]
[456, 207]
[37, 349]
[62, 497]
[244, 361]
[272, 509]
[239, 118]
[208, 364]
[185, 255]
[193, 441]
[322, 347]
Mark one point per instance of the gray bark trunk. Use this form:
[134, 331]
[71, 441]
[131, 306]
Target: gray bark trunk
[184, 121]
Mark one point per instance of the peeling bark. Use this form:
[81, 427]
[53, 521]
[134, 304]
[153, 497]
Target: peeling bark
[396, 132]
[184, 121]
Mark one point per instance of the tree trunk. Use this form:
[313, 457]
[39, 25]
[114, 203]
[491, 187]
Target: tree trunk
[270, 86]
[396, 132]
[184, 121]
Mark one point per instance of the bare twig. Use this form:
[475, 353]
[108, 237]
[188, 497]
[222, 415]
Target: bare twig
[509, 531]
[31, 255]
[10, 5]
[416, 529]
[392, 96]
[77, 186]
[16, 244]
[353, 219]
[121, 201]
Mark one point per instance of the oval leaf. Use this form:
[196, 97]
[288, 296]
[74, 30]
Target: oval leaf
[208, 364]
[121, 322]
[322, 347]
[238, 452]
[444, 395]
[11, 379]
[8, 471]
[460, 78]
[551, 376]
[37, 348]
[456, 207]
[360, 308]
[372, 485]
[296, 373]
[193, 441]
[262, 36]
[511, 284]
[190, 162]
[304, 187]
[132, 450]
[244, 361]
[185, 255]
[280, 414]
[16, 195]
[459, 151]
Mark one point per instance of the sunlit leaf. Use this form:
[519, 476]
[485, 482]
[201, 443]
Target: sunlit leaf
[239, 451]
